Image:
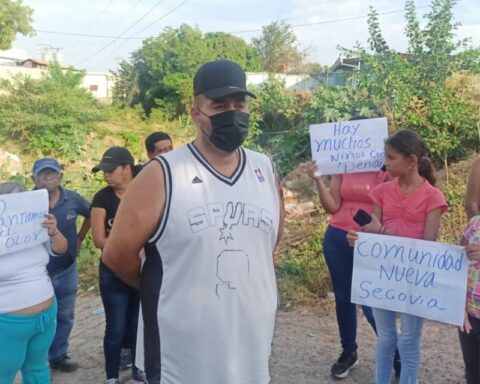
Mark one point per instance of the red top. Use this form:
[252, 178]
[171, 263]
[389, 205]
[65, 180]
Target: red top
[405, 215]
[354, 191]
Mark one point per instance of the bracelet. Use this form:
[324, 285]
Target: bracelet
[54, 234]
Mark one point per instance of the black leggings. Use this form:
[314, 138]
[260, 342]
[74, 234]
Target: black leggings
[470, 343]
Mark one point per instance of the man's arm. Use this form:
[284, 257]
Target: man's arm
[83, 232]
[136, 220]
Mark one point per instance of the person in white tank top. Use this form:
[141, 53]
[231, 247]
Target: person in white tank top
[208, 216]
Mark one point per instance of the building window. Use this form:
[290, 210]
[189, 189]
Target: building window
[93, 88]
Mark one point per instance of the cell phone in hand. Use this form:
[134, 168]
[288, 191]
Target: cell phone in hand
[362, 217]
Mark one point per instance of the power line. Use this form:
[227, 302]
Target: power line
[93, 24]
[133, 37]
[129, 10]
[87, 35]
[326, 21]
[123, 33]
[148, 26]
[162, 17]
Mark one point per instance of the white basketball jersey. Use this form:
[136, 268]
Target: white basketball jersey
[208, 291]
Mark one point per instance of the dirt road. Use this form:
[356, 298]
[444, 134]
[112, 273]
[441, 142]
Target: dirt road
[305, 345]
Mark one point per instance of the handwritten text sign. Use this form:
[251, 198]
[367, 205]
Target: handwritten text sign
[349, 146]
[419, 277]
[20, 217]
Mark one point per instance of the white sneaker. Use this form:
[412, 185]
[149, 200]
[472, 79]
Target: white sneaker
[112, 381]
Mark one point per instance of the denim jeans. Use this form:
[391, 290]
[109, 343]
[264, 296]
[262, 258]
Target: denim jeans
[408, 342]
[121, 303]
[65, 285]
[339, 257]
[470, 343]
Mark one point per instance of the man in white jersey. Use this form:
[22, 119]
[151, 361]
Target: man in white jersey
[208, 215]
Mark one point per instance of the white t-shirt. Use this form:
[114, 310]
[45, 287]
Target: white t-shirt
[24, 281]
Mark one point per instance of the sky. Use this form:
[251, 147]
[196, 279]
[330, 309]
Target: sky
[333, 23]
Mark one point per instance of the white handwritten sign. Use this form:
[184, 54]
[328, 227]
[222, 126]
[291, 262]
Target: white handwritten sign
[349, 146]
[20, 217]
[419, 277]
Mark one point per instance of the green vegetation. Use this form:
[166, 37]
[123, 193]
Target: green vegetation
[160, 73]
[52, 115]
[14, 18]
[277, 47]
[432, 88]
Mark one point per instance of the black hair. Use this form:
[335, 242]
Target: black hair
[6, 188]
[358, 117]
[153, 138]
[134, 168]
[410, 143]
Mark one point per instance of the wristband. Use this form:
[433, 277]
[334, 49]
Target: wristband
[54, 234]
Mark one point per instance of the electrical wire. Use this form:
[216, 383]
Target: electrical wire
[93, 24]
[123, 33]
[144, 29]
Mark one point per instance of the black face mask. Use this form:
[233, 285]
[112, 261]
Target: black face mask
[229, 129]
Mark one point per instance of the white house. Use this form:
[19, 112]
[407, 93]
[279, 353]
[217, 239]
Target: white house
[98, 84]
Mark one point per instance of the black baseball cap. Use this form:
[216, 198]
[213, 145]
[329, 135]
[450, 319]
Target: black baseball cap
[220, 78]
[112, 158]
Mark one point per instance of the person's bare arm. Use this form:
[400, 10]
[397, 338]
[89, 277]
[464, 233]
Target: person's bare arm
[97, 221]
[83, 232]
[472, 197]
[432, 224]
[329, 197]
[136, 220]
[375, 226]
[58, 242]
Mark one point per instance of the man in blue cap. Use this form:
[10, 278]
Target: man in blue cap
[66, 205]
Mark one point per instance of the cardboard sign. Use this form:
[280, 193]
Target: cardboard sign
[349, 146]
[419, 277]
[20, 217]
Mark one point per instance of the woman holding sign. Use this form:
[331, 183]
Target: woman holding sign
[27, 305]
[344, 196]
[408, 206]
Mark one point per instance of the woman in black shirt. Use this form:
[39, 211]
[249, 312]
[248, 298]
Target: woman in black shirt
[121, 302]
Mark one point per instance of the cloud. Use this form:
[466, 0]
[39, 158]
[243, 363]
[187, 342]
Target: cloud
[320, 40]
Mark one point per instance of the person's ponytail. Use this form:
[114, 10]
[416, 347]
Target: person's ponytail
[136, 169]
[426, 169]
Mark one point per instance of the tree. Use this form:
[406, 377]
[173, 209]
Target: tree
[223, 45]
[277, 47]
[52, 115]
[160, 73]
[14, 18]
[411, 88]
[125, 87]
